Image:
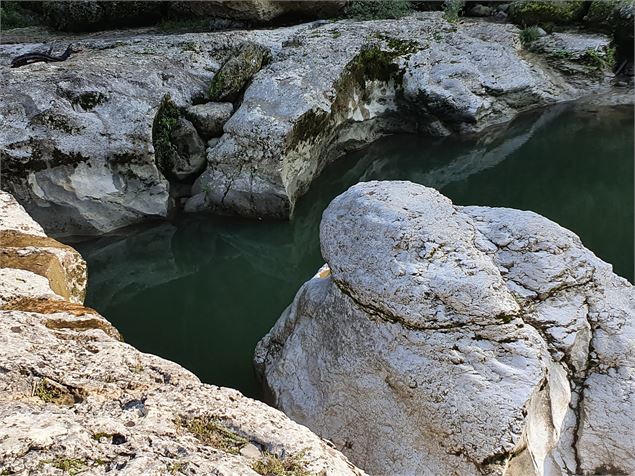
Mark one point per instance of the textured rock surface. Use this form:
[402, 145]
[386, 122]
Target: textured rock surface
[210, 118]
[78, 148]
[75, 399]
[457, 340]
[420, 73]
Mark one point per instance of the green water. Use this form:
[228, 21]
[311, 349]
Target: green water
[204, 290]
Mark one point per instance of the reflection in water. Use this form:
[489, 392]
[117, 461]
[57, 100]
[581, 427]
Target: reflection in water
[202, 291]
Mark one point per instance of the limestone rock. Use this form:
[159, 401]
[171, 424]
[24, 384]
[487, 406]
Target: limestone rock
[457, 340]
[307, 119]
[245, 61]
[75, 398]
[78, 147]
[189, 154]
[209, 118]
[24, 247]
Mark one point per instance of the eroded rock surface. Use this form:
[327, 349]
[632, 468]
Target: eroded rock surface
[457, 340]
[75, 399]
[80, 144]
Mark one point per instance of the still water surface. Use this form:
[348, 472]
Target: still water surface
[202, 291]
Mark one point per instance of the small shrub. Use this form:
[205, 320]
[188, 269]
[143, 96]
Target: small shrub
[599, 60]
[452, 9]
[529, 35]
[272, 464]
[378, 9]
[14, 15]
[214, 433]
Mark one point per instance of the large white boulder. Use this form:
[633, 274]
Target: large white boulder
[457, 340]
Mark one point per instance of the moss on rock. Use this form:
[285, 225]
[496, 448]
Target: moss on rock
[166, 119]
[233, 76]
[559, 12]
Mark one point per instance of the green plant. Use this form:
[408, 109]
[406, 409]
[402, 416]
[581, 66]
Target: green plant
[69, 465]
[529, 35]
[600, 60]
[15, 15]
[177, 467]
[49, 393]
[452, 9]
[213, 432]
[272, 464]
[167, 117]
[377, 9]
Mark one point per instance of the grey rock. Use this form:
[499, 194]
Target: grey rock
[74, 397]
[77, 146]
[307, 120]
[457, 340]
[210, 118]
[189, 151]
[245, 61]
[479, 10]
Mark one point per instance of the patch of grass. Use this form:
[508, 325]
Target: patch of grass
[167, 117]
[336, 33]
[272, 464]
[177, 467]
[70, 465]
[529, 35]
[213, 432]
[560, 54]
[452, 10]
[49, 393]
[377, 9]
[399, 46]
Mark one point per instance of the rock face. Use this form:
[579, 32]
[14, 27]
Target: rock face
[210, 118]
[75, 398]
[419, 73]
[88, 147]
[457, 340]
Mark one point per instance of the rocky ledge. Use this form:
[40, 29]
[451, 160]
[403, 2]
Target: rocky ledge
[135, 124]
[457, 340]
[74, 398]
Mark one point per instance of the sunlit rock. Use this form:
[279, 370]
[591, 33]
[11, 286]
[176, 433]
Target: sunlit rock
[449, 339]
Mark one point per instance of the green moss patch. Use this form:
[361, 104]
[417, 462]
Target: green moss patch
[166, 119]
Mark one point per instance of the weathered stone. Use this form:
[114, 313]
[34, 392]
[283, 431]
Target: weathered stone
[78, 148]
[189, 158]
[479, 10]
[457, 340]
[307, 120]
[588, 56]
[61, 265]
[245, 61]
[75, 398]
[210, 118]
